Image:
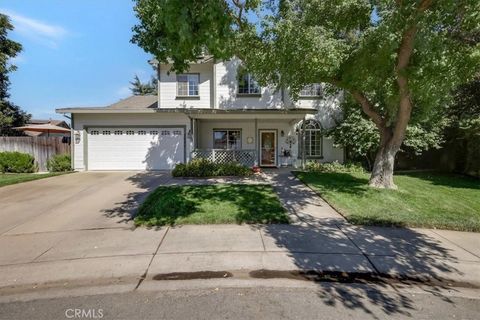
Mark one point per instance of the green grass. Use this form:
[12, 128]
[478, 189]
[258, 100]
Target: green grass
[430, 200]
[211, 204]
[13, 178]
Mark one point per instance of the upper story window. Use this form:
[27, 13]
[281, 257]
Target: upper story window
[187, 84]
[312, 90]
[247, 84]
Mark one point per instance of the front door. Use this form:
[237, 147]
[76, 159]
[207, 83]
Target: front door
[268, 148]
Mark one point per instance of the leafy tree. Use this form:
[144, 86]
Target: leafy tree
[10, 114]
[359, 136]
[139, 88]
[392, 56]
[464, 123]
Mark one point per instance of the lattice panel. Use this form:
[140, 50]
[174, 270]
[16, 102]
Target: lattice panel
[245, 157]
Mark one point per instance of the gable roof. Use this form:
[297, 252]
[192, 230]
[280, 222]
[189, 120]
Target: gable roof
[136, 102]
[130, 104]
[60, 123]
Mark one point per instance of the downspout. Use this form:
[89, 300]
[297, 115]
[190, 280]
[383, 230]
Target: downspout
[72, 141]
[214, 87]
[158, 85]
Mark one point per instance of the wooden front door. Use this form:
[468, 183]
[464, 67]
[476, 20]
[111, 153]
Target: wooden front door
[268, 148]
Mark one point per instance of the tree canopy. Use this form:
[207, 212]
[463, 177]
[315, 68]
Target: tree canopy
[392, 56]
[10, 114]
[140, 88]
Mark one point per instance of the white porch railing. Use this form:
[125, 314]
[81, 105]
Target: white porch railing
[245, 157]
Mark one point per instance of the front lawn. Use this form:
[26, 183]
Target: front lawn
[211, 204]
[13, 178]
[430, 200]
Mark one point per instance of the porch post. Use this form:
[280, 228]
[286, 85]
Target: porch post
[303, 142]
[257, 151]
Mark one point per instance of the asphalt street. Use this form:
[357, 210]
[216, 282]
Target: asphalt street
[323, 301]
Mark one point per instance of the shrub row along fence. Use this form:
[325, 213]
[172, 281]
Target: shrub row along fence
[41, 148]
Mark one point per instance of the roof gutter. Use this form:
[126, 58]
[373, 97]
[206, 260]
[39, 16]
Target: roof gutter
[189, 111]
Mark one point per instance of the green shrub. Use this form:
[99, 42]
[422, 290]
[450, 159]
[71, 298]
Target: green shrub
[17, 162]
[59, 163]
[334, 167]
[205, 168]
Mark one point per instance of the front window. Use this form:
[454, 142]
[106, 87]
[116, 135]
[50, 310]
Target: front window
[313, 139]
[227, 139]
[247, 84]
[187, 84]
[312, 90]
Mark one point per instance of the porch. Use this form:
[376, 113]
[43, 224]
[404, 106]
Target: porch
[267, 139]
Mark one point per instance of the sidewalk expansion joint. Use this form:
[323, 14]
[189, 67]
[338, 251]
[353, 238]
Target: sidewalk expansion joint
[144, 275]
[363, 253]
[455, 244]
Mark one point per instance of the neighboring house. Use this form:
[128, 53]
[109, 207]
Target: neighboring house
[214, 111]
[59, 123]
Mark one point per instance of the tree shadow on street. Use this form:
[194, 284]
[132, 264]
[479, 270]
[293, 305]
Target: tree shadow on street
[378, 251]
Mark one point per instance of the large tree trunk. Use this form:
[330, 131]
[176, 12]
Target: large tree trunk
[382, 172]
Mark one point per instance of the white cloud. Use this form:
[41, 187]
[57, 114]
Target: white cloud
[124, 92]
[39, 31]
[20, 59]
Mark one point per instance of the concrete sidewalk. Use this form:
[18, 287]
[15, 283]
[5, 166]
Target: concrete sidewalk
[319, 239]
[91, 257]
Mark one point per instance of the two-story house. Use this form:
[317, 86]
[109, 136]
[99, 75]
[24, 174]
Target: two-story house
[216, 111]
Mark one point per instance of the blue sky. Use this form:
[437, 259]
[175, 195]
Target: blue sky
[75, 53]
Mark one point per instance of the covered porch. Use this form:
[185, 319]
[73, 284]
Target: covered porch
[265, 138]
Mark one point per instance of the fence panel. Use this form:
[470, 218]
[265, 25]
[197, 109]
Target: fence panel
[42, 148]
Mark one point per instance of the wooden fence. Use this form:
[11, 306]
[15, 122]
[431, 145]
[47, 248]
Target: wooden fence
[41, 148]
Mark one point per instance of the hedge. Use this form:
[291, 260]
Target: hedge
[59, 163]
[205, 168]
[17, 162]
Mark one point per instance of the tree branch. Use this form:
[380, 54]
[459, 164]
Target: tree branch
[238, 17]
[405, 52]
[367, 107]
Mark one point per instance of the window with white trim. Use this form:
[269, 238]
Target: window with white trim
[312, 90]
[247, 84]
[227, 139]
[313, 139]
[187, 84]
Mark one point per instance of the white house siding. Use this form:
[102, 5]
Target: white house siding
[168, 88]
[83, 121]
[326, 110]
[226, 93]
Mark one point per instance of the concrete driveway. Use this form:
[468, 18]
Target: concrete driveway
[76, 231]
[78, 201]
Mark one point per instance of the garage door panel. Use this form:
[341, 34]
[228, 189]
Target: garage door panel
[135, 148]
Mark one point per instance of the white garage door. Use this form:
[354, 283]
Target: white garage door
[135, 148]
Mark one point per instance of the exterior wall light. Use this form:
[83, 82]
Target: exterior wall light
[77, 137]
